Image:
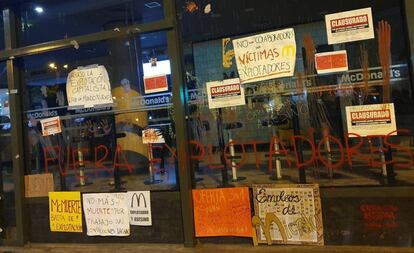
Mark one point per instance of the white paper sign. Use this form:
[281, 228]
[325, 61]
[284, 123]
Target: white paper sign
[51, 126]
[349, 26]
[366, 120]
[225, 93]
[152, 136]
[88, 87]
[266, 56]
[139, 204]
[106, 214]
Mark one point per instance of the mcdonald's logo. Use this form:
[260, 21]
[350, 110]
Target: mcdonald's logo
[137, 197]
[269, 219]
[289, 51]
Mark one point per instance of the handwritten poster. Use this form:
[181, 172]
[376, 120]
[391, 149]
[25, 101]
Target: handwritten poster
[51, 126]
[139, 204]
[266, 56]
[65, 212]
[106, 214]
[152, 135]
[349, 26]
[222, 212]
[297, 208]
[38, 185]
[225, 93]
[376, 216]
[331, 62]
[88, 87]
[377, 119]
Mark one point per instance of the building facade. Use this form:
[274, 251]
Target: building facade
[182, 98]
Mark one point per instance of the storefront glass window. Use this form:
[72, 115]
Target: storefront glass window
[49, 20]
[101, 145]
[1, 31]
[294, 129]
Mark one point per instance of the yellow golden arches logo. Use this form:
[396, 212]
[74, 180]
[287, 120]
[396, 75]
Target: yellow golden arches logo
[289, 51]
[270, 218]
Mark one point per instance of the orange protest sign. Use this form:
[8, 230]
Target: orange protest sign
[222, 212]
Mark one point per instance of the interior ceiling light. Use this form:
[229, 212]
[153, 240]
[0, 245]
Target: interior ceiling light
[39, 9]
[52, 65]
[207, 9]
[151, 5]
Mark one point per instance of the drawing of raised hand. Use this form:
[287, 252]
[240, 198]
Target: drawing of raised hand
[106, 126]
[92, 129]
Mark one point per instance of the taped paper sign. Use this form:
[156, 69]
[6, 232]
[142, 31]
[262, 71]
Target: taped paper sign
[152, 136]
[265, 56]
[65, 212]
[378, 119]
[38, 185]
[139, 203]
[106, 214]
[226, 93]
[153, 84]
[88, 87]
[51, 126]
[287, 214]
[349, 26]
[222, 212]
[331, 62]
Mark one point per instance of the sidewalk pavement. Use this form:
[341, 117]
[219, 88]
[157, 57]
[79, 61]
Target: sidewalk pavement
[205, 248]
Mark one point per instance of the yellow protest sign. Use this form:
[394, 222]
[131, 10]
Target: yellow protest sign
[65, 212]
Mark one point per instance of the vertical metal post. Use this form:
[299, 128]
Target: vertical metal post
[17, 129]
[296, 130]
[409, 15]
[220, 131]
[409, 28]
[389, 167]
[179, 103]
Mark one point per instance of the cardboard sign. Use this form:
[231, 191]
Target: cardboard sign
[378, 119]
[155, 84]
[38, 185]
[265, 56]
[65, 212]
[139, 203]
[51, 126]
[349, 26]
[88, 87]
[222, 212]
[106, 214]
[152, 136]
[226, 93]
[331, 62]
[294, 211]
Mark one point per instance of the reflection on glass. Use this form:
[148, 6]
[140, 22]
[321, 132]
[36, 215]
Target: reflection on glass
[48, 20]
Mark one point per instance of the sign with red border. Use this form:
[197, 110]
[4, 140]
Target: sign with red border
[331, 62]
[155, 84]
[349, 26]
